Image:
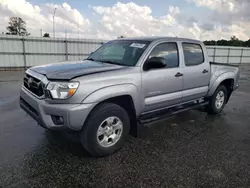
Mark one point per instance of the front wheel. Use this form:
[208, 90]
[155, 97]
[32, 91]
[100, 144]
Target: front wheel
[218, 100]
[105, 130]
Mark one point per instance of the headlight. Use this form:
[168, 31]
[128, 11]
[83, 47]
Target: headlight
[62, 90]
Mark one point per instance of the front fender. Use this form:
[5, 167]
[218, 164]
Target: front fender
[219, 80]
[105, 93]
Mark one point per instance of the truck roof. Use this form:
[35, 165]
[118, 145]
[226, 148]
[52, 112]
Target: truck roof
[157, 38]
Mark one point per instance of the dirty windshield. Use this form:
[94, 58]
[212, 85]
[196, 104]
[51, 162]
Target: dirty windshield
[120, 52]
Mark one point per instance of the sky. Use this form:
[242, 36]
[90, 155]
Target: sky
[108, 19]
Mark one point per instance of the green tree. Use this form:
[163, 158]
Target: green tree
[222, 42]
[247, 43]
[17, 26]
[120, 37]
[234, 38]
[234, 41]
[46, 35]
[210, 43]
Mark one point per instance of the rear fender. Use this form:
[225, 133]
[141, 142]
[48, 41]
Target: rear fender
[219, 80]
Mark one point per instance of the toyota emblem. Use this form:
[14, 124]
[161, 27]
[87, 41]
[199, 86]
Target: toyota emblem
[30, 80]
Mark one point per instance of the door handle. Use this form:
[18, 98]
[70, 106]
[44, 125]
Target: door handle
[178, 74]
[205, 71]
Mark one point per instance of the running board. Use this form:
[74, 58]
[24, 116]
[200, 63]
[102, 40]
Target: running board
[148, 118]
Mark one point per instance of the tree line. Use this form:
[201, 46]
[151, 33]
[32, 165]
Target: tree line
[234, 41]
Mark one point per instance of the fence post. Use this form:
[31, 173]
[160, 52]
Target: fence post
[229, 49]
[24, 53]
[241, 56]
[214, 54]
[66, 50]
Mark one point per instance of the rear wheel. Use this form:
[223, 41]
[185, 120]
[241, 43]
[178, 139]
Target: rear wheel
[218, 100]
[105, 130]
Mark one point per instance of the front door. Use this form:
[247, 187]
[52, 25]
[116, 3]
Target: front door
[163, 87]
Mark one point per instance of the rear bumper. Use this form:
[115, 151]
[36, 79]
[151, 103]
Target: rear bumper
[73, 115]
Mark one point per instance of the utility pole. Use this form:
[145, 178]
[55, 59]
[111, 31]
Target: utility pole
[78, 38]
[41, 32]
[53, 16]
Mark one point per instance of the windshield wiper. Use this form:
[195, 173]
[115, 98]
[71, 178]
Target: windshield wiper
[91, 59]
[110, 62]
[104, 61]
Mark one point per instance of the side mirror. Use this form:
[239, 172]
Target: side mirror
[154, 63]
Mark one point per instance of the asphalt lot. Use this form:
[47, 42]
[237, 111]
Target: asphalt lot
[192, 149]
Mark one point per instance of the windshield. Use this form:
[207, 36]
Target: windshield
[120, 52]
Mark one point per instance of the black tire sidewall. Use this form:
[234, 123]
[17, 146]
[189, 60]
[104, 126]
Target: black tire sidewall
[99, 114]
[213, 108]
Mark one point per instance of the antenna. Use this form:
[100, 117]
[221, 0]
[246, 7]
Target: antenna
[53, 16]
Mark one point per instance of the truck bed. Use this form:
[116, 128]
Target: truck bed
[219, 69]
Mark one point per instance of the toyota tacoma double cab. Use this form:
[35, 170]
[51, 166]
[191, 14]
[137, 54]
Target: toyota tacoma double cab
[123, 84]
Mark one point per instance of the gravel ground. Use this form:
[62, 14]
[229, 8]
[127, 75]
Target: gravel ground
[192, 149]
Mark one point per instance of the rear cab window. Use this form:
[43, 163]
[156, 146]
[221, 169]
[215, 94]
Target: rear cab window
[193, 54]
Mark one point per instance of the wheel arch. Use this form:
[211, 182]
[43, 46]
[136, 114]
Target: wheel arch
[229, 84]
[125, 100]
[226, 79]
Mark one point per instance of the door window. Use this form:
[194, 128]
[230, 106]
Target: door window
[193, 54]
[169, 51]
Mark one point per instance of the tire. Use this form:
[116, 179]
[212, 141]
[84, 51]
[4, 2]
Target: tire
[214, 106]
[105, 120]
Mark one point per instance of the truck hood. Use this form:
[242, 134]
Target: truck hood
[72, 69]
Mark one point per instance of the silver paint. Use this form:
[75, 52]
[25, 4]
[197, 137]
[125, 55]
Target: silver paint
[109, 131]
[150, 90]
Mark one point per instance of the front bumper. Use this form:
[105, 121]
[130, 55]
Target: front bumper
[74, 115]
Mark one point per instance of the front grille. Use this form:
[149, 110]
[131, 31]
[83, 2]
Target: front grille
[34, 85]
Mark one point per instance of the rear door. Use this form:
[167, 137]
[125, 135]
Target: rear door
[162, 87]
[196, 72]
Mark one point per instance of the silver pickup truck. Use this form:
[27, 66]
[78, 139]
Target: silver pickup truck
[123, 84]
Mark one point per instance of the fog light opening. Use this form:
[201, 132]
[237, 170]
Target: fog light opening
[57, 120]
